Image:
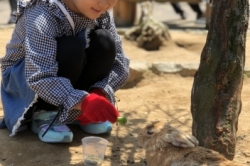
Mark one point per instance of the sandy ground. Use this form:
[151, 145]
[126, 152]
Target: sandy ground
[163, 97]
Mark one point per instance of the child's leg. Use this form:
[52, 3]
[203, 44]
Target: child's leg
[71, 58]
[13, 7]
[100, 57]
[196, 8]
[176, 7]
[84, 67]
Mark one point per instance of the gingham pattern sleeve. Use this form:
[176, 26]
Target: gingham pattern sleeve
[41, 65]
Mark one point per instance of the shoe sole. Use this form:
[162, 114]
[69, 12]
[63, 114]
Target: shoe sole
[100, 128]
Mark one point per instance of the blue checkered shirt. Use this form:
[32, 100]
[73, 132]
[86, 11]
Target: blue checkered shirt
[39, 23]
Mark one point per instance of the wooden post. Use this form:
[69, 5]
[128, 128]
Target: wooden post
[124, 13]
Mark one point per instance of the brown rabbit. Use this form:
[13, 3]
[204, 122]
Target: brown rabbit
[166, 146]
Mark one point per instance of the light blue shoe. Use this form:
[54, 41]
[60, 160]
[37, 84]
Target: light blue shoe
[96, 128]
[57, 133]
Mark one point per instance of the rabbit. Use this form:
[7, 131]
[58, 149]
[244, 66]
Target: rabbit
[166, 146]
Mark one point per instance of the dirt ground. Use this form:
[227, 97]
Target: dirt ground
[163, 97]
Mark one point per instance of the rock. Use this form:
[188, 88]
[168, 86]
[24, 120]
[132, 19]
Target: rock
[184, 69]
[165, 67]
[136, 73]
[188, 69]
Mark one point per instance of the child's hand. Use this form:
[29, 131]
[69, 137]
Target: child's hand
[98, 109]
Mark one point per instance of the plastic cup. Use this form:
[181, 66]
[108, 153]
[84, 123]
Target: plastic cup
[93, 150]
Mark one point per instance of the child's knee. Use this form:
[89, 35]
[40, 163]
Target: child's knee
[69, 43]
[104, 40]
[70, 48]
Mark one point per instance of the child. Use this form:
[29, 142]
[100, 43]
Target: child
[63, 64]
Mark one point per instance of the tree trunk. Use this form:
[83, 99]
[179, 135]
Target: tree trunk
[216, 92]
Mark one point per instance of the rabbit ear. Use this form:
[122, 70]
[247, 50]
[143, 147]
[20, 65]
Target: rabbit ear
[181, 139]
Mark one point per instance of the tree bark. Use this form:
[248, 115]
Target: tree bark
[216, 92]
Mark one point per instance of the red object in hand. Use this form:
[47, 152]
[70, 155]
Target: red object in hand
[96, 108]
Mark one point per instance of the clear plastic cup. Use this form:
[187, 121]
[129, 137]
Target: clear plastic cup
[93, 150]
